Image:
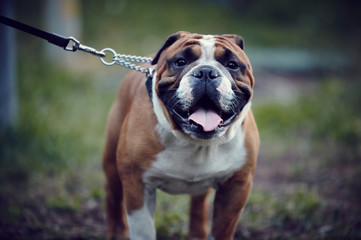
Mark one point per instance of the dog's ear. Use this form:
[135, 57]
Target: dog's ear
[171, 39]
[238, 39]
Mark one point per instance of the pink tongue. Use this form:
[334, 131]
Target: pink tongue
[208, 119]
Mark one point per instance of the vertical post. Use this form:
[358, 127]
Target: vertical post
[8, 93]
[62, 17]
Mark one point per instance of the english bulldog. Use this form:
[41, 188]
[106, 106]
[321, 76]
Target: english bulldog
[185, 129]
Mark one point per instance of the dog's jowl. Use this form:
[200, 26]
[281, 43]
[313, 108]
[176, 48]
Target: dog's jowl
[187, 129]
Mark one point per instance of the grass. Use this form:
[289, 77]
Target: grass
[331, 116]
[172, 215]
[51, 163]
[319, 157]
[297, 211]
[54, 155]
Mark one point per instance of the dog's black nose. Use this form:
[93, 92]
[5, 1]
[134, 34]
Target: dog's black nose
[206, 72]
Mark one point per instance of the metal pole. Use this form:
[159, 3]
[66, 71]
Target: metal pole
[8, 92]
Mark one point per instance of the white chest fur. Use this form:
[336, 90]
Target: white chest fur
[185, 167]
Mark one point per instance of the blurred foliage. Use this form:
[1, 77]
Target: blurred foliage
[51, 162]
[300, 208]
[322, 24]
[140, 27]
[171, 215]
[331, 115]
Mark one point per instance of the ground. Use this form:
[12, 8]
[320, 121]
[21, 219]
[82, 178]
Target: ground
[305, 186]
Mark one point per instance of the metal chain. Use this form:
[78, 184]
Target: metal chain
[130, 58]
[126, 61]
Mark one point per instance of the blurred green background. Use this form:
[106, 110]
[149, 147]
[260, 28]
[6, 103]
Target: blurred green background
[306, 58]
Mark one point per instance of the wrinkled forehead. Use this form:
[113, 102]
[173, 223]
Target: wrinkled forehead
[207, 46]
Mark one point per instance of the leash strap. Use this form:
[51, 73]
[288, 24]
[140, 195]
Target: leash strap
[71, 44]
[53, 38]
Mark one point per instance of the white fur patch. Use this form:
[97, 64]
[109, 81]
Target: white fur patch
[186, 167]
[184, 92]
[208, 46]
[225, 89]
[141, 221]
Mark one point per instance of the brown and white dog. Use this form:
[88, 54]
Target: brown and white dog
[186, 129]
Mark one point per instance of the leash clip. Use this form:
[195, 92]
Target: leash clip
[77, 46]
[74, 46]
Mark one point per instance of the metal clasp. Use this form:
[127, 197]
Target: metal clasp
[73, 47]
[77, 46]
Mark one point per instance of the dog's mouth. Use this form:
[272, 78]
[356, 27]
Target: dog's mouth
[205, 117]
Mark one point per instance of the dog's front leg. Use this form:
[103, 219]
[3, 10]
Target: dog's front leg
[228, 205]
[140, 203]
[198, 219]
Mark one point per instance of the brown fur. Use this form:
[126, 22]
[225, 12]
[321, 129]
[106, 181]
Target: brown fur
[123, 168]
[132, 145]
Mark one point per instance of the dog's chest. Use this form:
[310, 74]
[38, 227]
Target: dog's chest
[188, 168]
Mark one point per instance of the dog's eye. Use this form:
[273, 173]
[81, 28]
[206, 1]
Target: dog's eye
[232, 65]
[181, 62]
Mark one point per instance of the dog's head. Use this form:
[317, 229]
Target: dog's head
[202, 86]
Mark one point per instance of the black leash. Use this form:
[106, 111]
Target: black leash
[71, 44]
[53, 38]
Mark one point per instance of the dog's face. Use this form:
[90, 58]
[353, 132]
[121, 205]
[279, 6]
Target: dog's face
[203, 83]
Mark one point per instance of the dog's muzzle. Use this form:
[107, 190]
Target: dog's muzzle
[207, 113]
